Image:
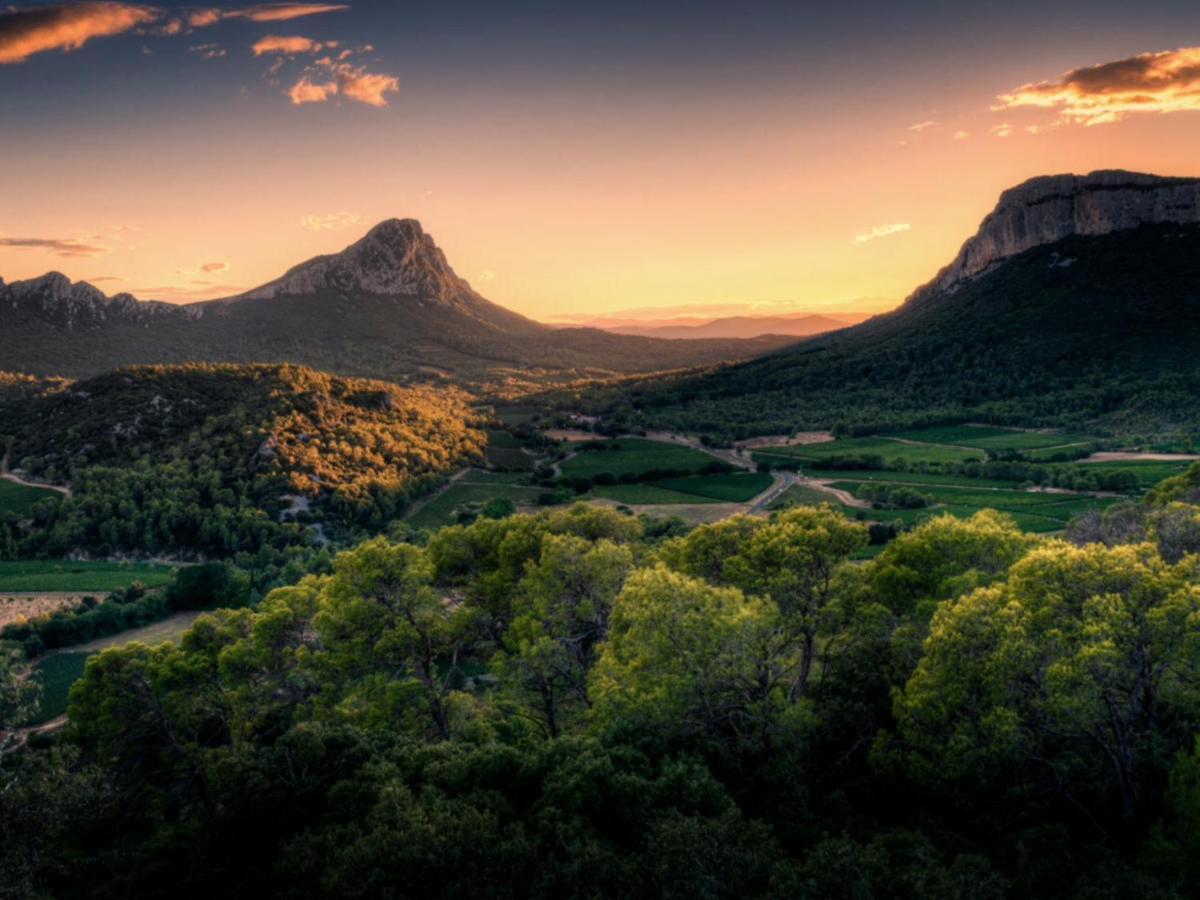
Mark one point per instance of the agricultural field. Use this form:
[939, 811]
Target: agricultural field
[19, 499]
[634, 456]
[988, 437]
[506, 451]
[890, 449]
[1033, 511]
[734, 487]
[440, 510]
[100, 576]
[802, 495]
[647, 495]
[1149, 472]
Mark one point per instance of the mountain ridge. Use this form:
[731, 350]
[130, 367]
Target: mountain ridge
[387, 306]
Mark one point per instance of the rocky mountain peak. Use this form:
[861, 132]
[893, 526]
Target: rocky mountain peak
[396, 257]
[1053, 207]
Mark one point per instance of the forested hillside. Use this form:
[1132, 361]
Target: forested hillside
[202, 460]
[566, 705]
[1097, 333]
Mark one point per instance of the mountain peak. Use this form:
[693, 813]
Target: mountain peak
[395, 258]
[1049, 208]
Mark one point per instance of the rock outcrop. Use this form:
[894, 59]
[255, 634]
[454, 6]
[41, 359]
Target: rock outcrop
[1047, 209]
[395, 258]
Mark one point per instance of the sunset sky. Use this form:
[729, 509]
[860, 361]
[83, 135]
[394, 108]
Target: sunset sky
[569, 160]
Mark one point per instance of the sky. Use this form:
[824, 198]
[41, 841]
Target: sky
[571, 159]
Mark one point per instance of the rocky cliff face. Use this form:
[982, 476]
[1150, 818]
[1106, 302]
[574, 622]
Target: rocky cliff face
[54, 298]
[395, 258]
[1047, 209]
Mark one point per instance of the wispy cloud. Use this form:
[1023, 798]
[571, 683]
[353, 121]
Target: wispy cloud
[67, 26]
[880, 231]
[1164, 82]
[1002, 130]
[329, 78]
[263, 12]
[214, 267]
[330, 221]
[923, 126]
[69, 247]
[208, 51]
[274, 43]
[961, 135]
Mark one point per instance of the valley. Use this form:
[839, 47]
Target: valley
[357, 566]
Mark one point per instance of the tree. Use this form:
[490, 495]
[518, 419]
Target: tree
[384, 625]
[683, 656]
[561, 614]
[1086, 660]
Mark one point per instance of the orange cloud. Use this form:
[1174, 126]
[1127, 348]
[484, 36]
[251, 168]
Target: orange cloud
[265, 12]
[273, 43]
[58, 246]
[65, 27]
[305, 91]
[353, 82]
[1096, 95]
[214, 267]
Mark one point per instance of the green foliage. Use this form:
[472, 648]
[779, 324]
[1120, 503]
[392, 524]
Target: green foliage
[572, 704]
[74, 575]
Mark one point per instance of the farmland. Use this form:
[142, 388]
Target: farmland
[632, 456]
[889, 449]
[66, 576]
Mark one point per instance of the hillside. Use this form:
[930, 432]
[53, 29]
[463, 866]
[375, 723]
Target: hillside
[1077, 304]
[213, 460]
[388, 306]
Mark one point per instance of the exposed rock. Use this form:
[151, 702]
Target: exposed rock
[396, 258]
[1047, 209]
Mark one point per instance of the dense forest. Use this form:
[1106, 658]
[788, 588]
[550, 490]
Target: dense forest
[215, 461]
[573, 704]
[1105, 345]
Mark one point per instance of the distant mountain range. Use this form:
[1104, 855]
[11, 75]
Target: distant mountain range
[388, 306]
[1076, 303]
[689, 328]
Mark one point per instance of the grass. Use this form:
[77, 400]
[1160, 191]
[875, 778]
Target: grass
[642, 494]
[634, 456]
[731, 488]
[505, 439]
[64, 576]
[886, 447]
[509, 458]
[19, 499]
[987, 437]
[914, 478]
[1149, 472]
[440, 510]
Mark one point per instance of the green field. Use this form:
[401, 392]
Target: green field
[735, 487]
[913, 478]
[1149, 472]
[1033, 511]
[888, 448]
[641, 494]
[19, 499]
[60, 575]
[634, 456]
[987, 437]
[440, 510]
